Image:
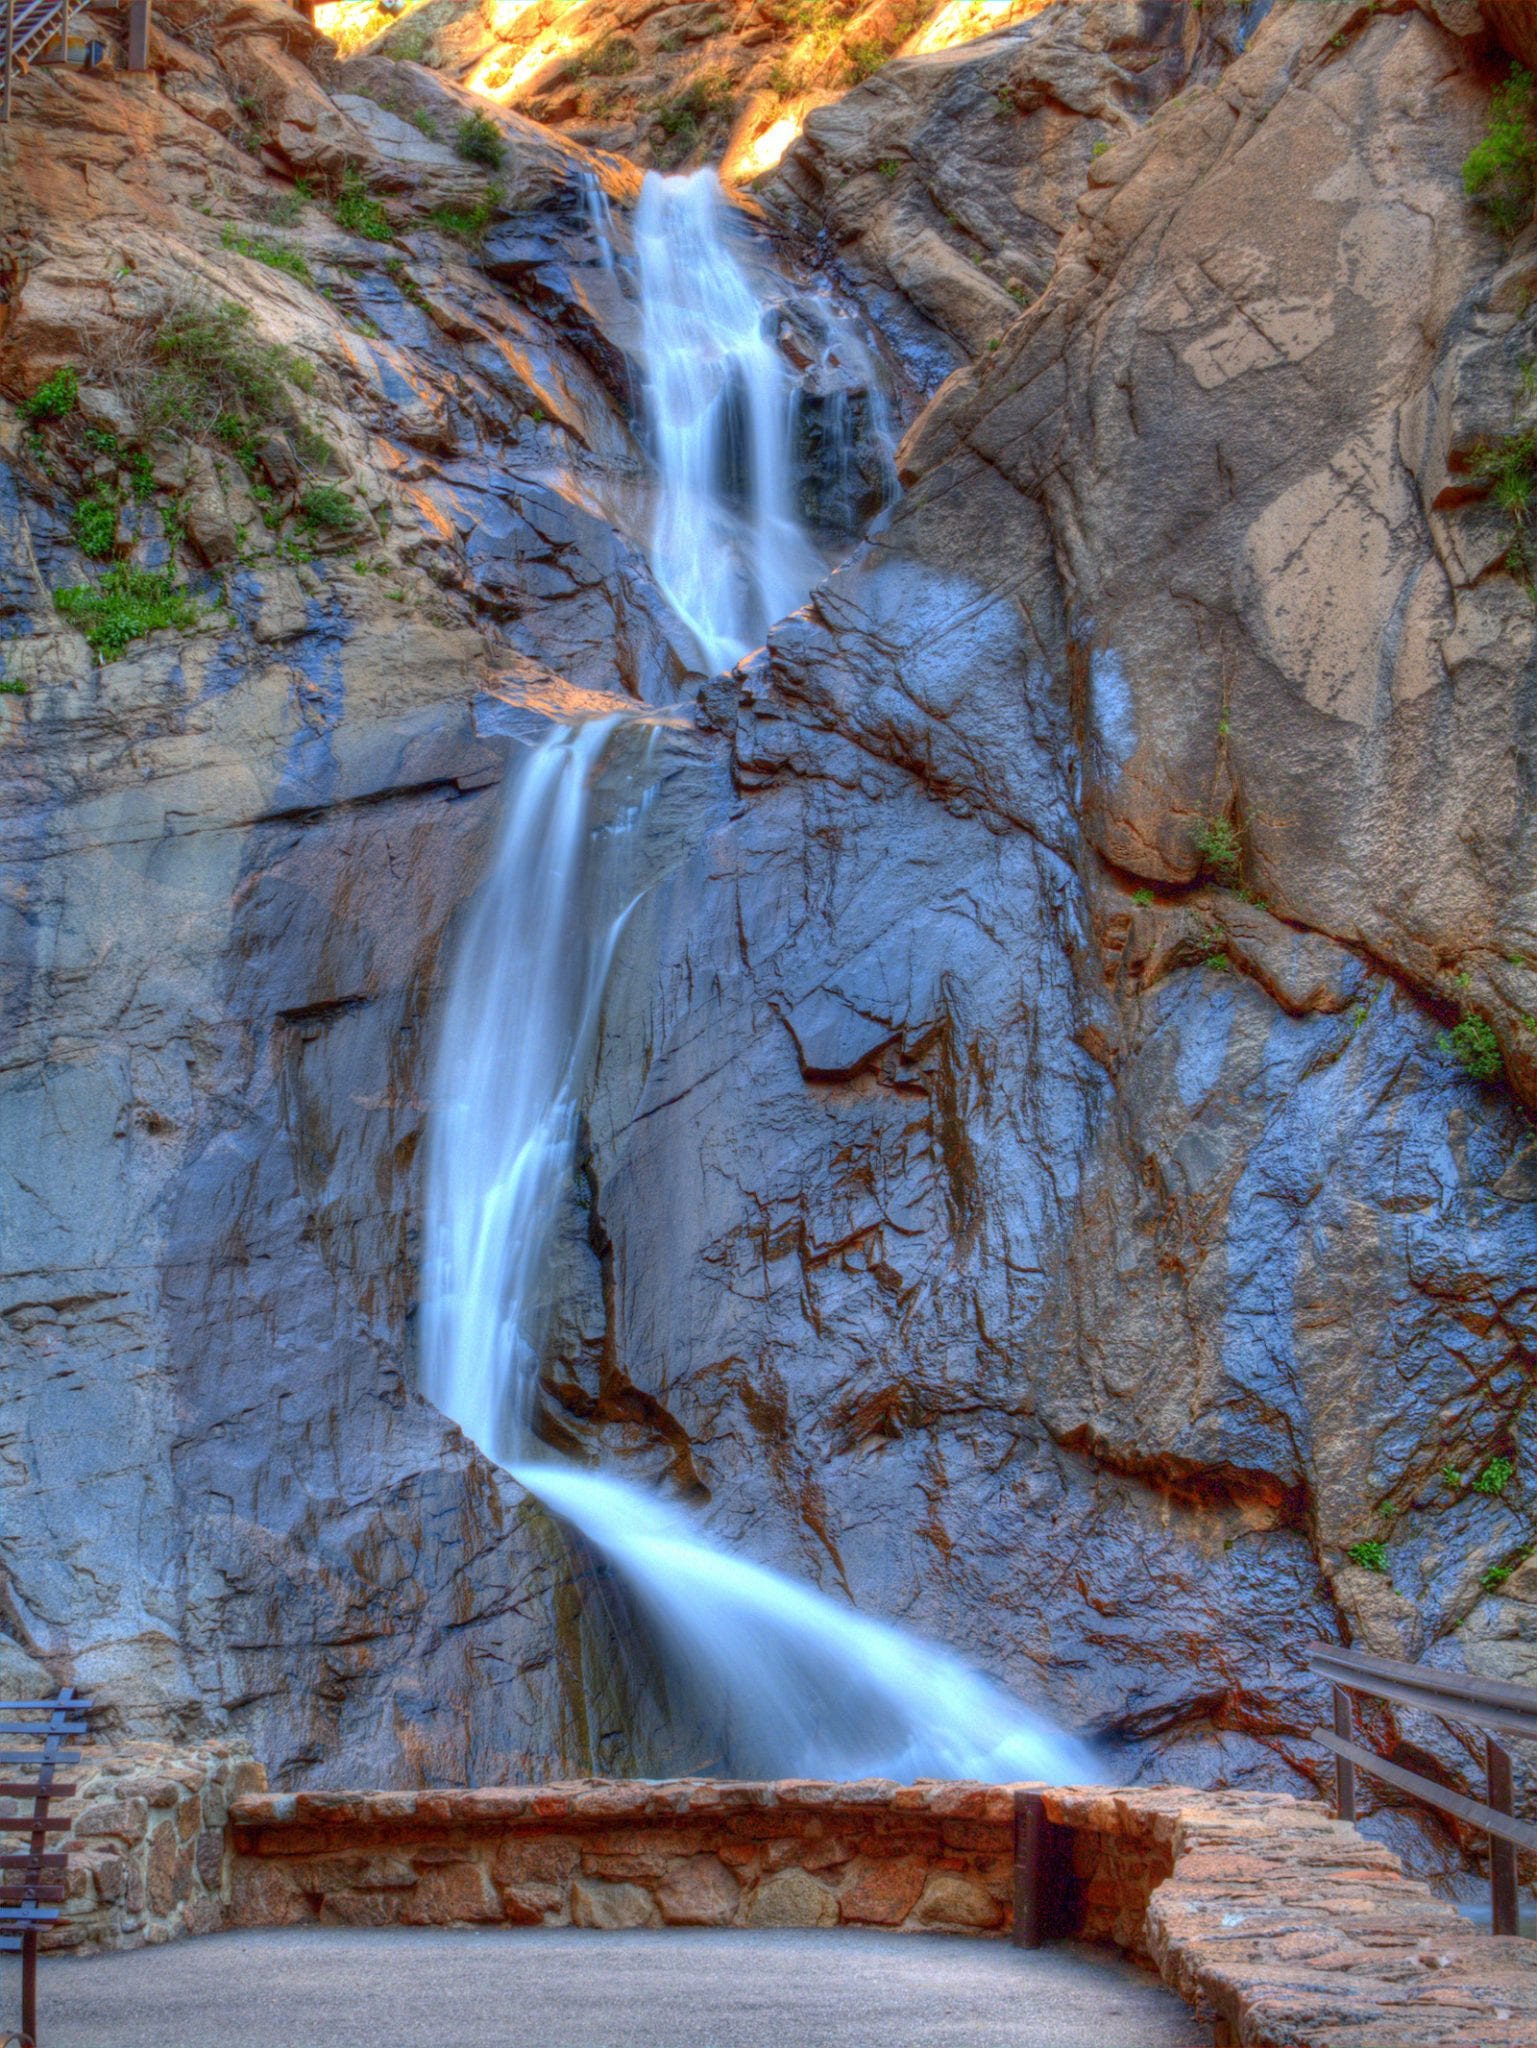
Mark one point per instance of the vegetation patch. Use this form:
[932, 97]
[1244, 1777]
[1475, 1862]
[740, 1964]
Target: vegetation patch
[94, 525]
[1474, 1047]
[615, 57]
[124, 606]
[683, 117]
[53, 399]
[213, 375]
[479, 141]
[1498, 170]
[1220, 846]
[1494, 1478]
[276, 255]
[1371, 1555]
[327, 508]
[356, 209]
[467, 223]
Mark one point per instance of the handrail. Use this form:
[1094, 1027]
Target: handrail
[30, 26]
[32, 1879]
[1450, 1695]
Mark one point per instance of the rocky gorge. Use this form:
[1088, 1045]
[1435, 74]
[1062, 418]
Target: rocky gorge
[1057, 1166]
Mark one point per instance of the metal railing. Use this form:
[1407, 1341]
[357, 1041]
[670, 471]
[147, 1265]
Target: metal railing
[1497, 1708]
[32, 1879]
[27, 27]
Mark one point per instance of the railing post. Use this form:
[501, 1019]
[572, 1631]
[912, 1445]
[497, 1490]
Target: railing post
[1344, 1769]
[10, 58]
[1030, 1874]
[138, 35]
[1502, 1855]
[29, 1989]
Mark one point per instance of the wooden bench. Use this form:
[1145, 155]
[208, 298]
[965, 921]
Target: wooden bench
[32, 1879]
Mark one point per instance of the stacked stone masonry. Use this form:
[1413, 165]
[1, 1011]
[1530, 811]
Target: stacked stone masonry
[1287, 1928]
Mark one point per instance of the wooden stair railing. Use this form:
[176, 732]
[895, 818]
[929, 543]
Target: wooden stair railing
[32, 1879]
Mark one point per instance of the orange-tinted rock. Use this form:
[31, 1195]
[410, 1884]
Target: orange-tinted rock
[698, 1892]
[881, 1893]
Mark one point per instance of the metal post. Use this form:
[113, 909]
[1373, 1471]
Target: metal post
[1030, 1875]
[138, 35]
[10, 57]
[1344, 1769]
[1502, 1855]
[29, 1989]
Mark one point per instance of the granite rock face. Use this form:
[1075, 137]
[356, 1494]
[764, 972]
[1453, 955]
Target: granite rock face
[1022, 1189]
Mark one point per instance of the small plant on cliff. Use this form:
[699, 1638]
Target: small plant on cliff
[213, 374]
[356, 209]
[1494, 1478]
[479, 141]
[1220, 847]
[467, 223]
[1450, 1476]
[124, 606]
[54, 398]
[276, 255]
[94, 525]
[1498, 171]
[1142, 898]
[1509, 467]
[1371, 1555]
[327, 508]
[1474, 1047]
[615, 57]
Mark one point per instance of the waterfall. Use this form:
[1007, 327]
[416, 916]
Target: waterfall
[786, 1681]
[726, 550]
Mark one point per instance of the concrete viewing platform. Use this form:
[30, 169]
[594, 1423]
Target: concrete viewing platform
[1277, 1925]
[327, 1987]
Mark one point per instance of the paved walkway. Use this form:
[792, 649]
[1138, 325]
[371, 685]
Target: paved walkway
[572, 1988]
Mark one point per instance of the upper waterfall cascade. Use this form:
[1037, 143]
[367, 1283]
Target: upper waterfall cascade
[789, 1681]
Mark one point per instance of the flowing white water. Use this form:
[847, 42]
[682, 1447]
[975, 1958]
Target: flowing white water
[726, 548]
[781, 1680]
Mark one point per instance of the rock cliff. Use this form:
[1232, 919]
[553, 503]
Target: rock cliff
[1025, 1186]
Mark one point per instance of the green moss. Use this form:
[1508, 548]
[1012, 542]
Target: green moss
[356, 209]
[94, 525]
[124, 606]
[1475, 1048]
[54, 398]
[479, 141]
[12, 686]
[1142, 897]
[1371, 1555]
[1498, 171]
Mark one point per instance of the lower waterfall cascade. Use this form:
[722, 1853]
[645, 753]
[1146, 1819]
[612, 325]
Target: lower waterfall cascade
[791, 1681]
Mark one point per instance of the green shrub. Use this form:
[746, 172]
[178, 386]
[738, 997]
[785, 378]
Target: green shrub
[889, 167]
[12, 686]
[53, 399]
[479, 141]
[682, 117]
[1142, 897]
[95, 527]
[1474, 1047]
[1371, 1555]
[276, 255]
[424, 121]
[1495, 1577]
[466, 224]
[408, 46]
[327, 508]
[1498, 171]
[1450, 1476]
[1494, 1478]
[356, 209]
[124, 606]
[1219, 844]
[212, 374]
[615, 57]
[1101, 146]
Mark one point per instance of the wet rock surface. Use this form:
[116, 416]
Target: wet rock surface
[988, 1207]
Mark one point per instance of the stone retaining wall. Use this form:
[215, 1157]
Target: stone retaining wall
[1288, 1927]
[686, 1854]
[150, 1852]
